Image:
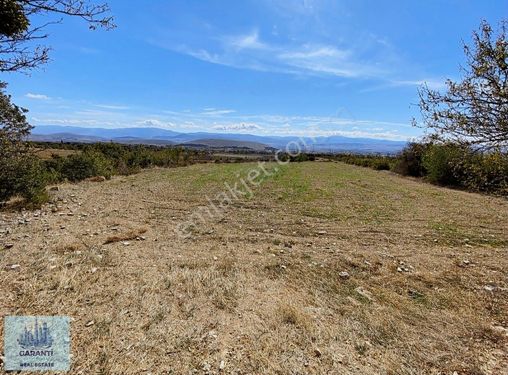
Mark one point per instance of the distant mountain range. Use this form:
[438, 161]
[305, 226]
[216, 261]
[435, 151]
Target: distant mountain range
[157, 136]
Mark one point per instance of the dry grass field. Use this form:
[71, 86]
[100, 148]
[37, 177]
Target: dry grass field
[327, 269]
[47, 153]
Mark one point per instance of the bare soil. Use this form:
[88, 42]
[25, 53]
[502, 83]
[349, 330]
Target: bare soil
[327, 269]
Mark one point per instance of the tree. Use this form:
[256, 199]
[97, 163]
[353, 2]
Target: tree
[474, 111]
[20, 171]
[19, 48]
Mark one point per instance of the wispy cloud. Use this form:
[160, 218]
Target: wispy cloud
[247, 41]
[216, 112]
[248, 51]
[113, 107]
[37, 96]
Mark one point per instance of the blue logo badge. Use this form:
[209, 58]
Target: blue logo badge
[37, 343]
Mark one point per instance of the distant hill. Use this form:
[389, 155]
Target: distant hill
[226, 143]
[156, 136]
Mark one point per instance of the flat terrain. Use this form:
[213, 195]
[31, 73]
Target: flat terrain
[327, 269]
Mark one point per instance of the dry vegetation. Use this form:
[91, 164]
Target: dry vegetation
[48, 153]
[329, 268]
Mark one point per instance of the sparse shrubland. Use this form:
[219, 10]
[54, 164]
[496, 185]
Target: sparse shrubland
[26, 175]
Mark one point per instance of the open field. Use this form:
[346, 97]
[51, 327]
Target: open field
[47, 153]
[327, 268]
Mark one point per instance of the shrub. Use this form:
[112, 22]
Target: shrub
[87, 164]
[410, 160]
[443, 164]
[23, 176]
[486, 172]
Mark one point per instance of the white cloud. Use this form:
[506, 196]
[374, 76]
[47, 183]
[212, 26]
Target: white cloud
[155, 123]
[37, 96]
[238, 127]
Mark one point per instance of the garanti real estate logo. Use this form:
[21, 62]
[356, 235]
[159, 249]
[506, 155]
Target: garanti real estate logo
[36, 343]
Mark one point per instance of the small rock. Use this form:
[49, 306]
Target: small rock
[93, 270]
[9, 245]
[89, 323]
[317, 352]
[283, 266]
[13, 266]
[466, 262]
[321, 232]
[54, 188]
[222, 365]
[126, 243]
[489, 288]
[344, 275]
[215, 258]
[501, 330]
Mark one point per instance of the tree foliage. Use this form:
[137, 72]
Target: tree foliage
[14, 127]
[474, 111]
[20, 170]
[20, 49]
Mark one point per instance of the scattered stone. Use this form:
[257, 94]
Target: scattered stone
[317, 352]
[322, 232]
[222, 365]
[283, 266]
[89, 323]
[364, 293]
[500, 330]
[258, 251]
[215, 258]
[344, 275]
[13, 266]
[466, 262]
[93, 270]
[402, 269]
[9, 245]
[126, 243]
[489, 288]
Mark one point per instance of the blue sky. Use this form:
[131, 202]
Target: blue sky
[299, 67]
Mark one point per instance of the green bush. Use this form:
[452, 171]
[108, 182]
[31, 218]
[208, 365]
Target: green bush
[444, 164]
[410, 160]
[87, 164]
[486, 172]
[23, 176]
